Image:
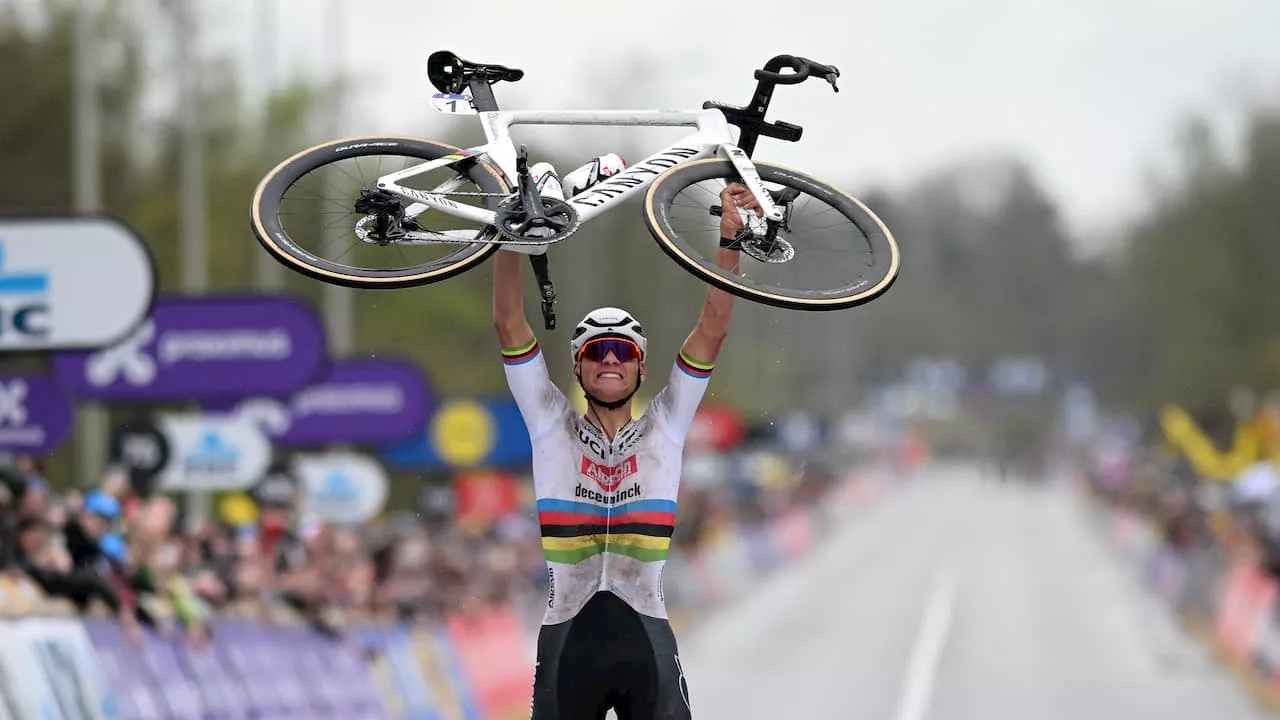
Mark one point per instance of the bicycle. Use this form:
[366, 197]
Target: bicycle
[509, 210]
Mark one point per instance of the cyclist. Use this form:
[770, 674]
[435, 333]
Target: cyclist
[606, 486]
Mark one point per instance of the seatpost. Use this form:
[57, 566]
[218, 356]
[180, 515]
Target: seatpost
[482, 95]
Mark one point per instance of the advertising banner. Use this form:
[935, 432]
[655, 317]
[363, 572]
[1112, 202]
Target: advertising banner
[212, 453]
[278, 489]
[130, 680]
[371, 401]
[192, 348]
[36, 414]
[141, 448]
[221, 692]
[71, 282]
[180, 693]
[404, 689]
[46, 671]
[23, 688]
[465, 433]
[343, 488]
[485, 496]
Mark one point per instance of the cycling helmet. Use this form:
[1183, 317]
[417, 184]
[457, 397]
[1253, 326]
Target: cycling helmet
[607, 322]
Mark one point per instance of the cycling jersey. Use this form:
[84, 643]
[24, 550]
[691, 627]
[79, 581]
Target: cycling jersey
[606, 508]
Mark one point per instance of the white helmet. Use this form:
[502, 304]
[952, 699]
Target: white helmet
[607, 322]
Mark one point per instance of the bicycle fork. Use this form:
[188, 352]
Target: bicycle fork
[762, 242]
[751, 178]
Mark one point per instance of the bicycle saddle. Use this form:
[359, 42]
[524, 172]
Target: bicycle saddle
[451, 74]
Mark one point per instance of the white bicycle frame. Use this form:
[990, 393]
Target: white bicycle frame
[711, 138]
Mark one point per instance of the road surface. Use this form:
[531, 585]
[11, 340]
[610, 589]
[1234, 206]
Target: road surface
[956, 598]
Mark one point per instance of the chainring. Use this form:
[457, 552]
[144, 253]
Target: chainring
[516, 228]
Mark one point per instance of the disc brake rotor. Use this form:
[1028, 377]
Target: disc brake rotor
[775, 251]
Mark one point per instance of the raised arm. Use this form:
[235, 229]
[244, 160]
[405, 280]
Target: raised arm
[541, 403]
[703, 344]
[508, 301]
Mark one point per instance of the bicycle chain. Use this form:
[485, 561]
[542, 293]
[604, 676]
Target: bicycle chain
[508, 239]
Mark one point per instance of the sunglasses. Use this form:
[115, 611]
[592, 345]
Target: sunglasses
[598, 350]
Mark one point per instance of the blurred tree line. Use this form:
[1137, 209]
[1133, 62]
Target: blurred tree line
[1183, 309]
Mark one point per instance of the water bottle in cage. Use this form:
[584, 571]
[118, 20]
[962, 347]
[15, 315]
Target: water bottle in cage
[546, 180]
[599, 169]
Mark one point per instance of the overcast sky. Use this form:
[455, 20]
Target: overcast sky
[1088, 91]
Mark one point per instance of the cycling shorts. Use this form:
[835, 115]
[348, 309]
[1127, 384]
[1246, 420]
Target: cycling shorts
[609, 656]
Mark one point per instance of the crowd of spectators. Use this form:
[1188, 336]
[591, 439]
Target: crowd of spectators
[107, 550]
[1212, 503]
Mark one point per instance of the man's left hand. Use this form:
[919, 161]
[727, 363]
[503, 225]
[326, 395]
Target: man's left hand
[735, 196]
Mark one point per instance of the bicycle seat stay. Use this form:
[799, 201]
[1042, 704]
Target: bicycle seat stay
[451, 74]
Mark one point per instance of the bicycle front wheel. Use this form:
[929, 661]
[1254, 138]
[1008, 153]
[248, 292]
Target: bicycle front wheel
[304, 213]
[830, 253]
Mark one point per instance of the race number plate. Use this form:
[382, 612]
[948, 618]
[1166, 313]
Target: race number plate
[452, 104]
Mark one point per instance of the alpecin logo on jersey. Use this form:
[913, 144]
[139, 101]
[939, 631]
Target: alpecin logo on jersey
[609, 477]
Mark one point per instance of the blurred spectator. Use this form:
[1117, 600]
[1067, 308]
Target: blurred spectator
[111, 549]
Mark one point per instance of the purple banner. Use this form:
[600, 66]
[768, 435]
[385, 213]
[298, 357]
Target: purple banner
[35, 414]
[180, 693]
[373, 401]
[234, 642]
[195, 348]
[251, 670]
[224, 698]
[135, 690]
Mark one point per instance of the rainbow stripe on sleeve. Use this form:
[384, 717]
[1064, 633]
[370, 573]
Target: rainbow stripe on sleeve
[693, 367]
[521, 355]
[574, 531]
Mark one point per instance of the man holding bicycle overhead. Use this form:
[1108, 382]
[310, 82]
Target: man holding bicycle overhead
[606, 486]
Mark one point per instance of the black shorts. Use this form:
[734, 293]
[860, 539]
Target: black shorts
[609, 656]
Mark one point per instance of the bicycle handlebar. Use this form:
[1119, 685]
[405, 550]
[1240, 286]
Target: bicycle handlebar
[802, 68]
[750, 118]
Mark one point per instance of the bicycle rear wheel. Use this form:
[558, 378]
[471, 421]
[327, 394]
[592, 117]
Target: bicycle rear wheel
[843, 250]
[304, 213]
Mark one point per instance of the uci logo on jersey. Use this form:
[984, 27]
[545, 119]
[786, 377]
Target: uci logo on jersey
[596, 446]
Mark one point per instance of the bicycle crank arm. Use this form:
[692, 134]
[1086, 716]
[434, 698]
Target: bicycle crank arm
[542, 271]
[530, 198]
